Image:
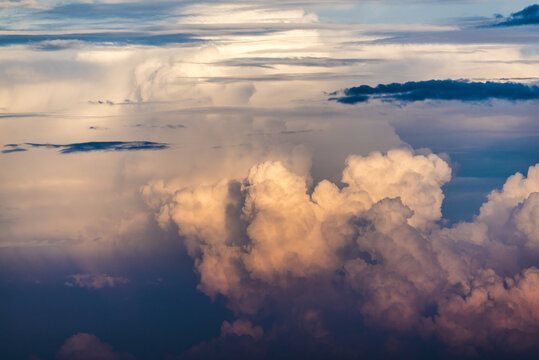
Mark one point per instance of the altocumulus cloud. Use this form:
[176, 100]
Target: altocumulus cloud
[371, 254]
[460, 90]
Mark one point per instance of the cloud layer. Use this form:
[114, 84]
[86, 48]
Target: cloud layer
[460, 90]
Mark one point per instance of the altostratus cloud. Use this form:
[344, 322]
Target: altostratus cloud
[374, 244]
[460, 90]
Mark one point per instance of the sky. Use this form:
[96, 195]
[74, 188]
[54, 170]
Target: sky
[269, 179]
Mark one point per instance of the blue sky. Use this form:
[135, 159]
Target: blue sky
[179, 182]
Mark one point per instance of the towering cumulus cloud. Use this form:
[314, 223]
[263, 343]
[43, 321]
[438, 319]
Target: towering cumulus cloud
[373, 244]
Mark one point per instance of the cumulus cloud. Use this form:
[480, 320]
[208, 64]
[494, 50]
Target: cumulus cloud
[460, 90]
[90, 281]
[83, 346]
[374, 244]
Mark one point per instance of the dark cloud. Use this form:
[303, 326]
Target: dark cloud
[51, 42]
[461, 90]
[105, 145]
[290, 132]
[13, 150]
[93, 146]
[527, 16]
[21, 115]
[264, 62]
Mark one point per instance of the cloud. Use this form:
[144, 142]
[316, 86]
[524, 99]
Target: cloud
[527, 16]
[371, 251]
[460, 90]
[51, 42]
[94, 146]
[8, 4]
[83, 346]
[133, 10]
[12, 150]
[268, 62]
[90, 281]
[241, 327]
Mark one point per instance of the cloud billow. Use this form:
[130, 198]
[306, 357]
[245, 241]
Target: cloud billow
[460, 90]
[372, 251]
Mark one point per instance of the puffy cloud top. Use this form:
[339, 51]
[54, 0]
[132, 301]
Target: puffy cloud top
[373, 243]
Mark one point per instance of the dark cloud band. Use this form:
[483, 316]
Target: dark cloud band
[51, 41]
[92, 146]
[527, 16]
[460, 90]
